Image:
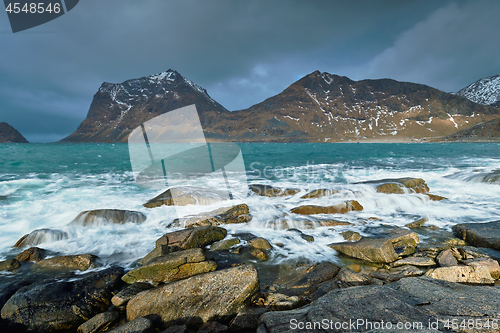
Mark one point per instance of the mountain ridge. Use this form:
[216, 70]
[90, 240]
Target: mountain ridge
[9, 134]
[320, 107]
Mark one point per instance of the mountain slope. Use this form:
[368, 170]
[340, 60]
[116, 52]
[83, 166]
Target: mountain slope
[484, 91]
[483, 132]
[119, 108]
[10, 134]
[322, 107]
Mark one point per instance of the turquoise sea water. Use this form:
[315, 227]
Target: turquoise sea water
[47, 185]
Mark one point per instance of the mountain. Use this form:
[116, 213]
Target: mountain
[119, 108]
[10, 134]
[320, 107]
[483, 132]
[323, 107]
[485, 91]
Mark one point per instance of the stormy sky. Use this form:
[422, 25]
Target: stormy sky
[242, 52]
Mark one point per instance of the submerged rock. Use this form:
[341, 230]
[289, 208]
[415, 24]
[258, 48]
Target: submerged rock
[9, 264]
[80, 262]
[62, 305]
[206, 297]
[191, 238]
[40, 236]
[269, 191]
[107, 216]
[339, 208]
[479, 234]
[462, 274]
[412, 300]
[32, 254]
[225, 215]
[172, 267]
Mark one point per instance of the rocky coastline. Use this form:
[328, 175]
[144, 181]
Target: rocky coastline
[199, 278]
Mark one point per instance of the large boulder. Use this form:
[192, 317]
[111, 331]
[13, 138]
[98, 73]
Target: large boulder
[225, 215]
[80, 262]
[32, 254]
[479, 234]
[216, 295]
[269, 191]
[339, 208]
[191, 238]
[463, 274]
[62, 305]
[411, 300]
[40, 236]
[378, 250]
[172, 267]
[107, 216]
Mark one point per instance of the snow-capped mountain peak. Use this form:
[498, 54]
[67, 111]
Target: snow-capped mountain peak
[485, 91]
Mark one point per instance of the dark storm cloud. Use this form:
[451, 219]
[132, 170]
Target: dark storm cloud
[241, 51]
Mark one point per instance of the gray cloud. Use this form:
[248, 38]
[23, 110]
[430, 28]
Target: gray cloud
[241, 51]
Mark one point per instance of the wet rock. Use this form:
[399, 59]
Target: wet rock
[9, 287]
[348, 278]
[179, 196]
[391, 188]
[435, 197]
[479, 234]
[191, 238]
[62, 304]
[397, 273]
[32, 254]
[224, 244]
[417, 223]
[9, 264]
[462, 274]
[247, 320]
[128, 292]
[101, 217]
[139, 325]
[159, 251]
[269, 191]
[492, 265]
[40, 236]
[369, 249]
[212, 327]
[312, 277]
[351, 236]
[404, 241]
[219, 294]
[319, 193]
[80, 262]
[225, 215]
[260, 243]
[446, 258]
[257, 253]
[417, 185]
[414, 299]
[281, 302]
[339, 208]
[414, 261]
[99, 322]
[172, 267]
[176, 329]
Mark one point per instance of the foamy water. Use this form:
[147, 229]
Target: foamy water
[41, 192]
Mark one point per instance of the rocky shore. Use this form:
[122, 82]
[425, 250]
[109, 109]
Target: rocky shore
[200, 278]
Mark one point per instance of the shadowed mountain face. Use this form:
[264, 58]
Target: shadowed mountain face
[320, 107]
[10, 134]
[119, 108]
[483, 132]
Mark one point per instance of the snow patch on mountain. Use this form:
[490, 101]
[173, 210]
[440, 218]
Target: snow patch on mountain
[485, 91]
